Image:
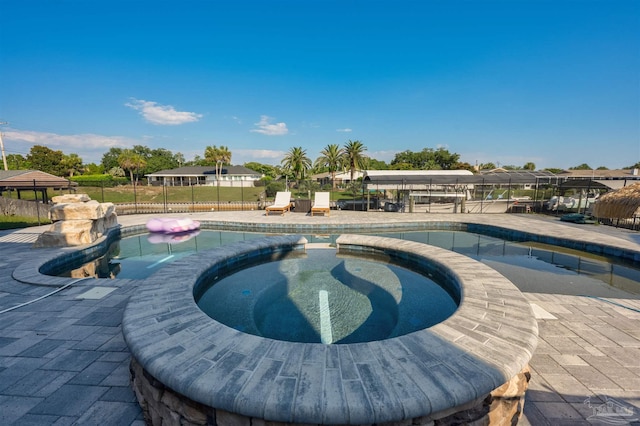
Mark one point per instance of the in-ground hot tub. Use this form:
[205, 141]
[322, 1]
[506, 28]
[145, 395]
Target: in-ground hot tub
[188, 365]
[319, 296]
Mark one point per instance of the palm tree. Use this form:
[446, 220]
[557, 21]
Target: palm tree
[219, 157]
[354, 156]
[296, 162]
[72, 163]
[331, 157]
[130, 160]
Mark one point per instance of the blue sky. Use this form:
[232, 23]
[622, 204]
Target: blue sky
[553, 82]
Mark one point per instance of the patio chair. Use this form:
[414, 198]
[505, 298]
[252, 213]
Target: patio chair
[282, 203]
[321, 204]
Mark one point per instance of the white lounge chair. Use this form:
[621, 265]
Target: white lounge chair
[321, 204]
[282, 203]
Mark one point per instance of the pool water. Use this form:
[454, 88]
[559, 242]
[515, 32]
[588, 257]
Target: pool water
[533, 267]
[322, 297]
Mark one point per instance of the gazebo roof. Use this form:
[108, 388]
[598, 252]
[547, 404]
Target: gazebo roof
[31, 179]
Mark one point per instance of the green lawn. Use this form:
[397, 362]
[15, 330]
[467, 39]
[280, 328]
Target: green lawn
[15, 222]
[157, 194]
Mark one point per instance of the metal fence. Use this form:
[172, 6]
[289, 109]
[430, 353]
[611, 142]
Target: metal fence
[140, 197]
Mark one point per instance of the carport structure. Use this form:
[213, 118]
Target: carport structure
[460, 187]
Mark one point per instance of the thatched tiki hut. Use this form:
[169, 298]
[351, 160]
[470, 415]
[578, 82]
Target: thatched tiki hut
[623, 203]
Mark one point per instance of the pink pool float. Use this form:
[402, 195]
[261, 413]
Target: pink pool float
[167, 225]
[166, 238]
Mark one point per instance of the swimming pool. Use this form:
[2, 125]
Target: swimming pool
[532, 266]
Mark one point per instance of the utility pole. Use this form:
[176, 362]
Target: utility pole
[4, 157]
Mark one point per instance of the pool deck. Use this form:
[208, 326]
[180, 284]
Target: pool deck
[63, 359]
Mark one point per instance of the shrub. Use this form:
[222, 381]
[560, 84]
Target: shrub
[272, 187]
[104, 180]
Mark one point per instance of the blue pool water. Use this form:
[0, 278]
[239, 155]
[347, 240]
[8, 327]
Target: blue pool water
[531, 266]
[322, 297]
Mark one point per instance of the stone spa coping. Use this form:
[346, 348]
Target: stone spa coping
[482, 345]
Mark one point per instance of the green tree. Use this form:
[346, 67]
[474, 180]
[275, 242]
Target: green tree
[355, 157]
[427, 159]
[131, 161]
[464, 166]
[117, 172]
[377, 164]
[110, 158]
[93, 169]
[72, 164]
[331, 158]
[160, 159]
[296, 163]
[179, 158]
[407, 160]
[583, 166]
[265, 169]
[401, 166]
[17, 162]
[553, 170]
[197, 161]
[487, 166]
[46, 160]
[445, 160]
[529, 166]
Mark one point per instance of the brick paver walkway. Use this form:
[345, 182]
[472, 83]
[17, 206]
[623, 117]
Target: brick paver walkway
[63, 359]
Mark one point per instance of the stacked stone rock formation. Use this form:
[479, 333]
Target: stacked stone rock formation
[77, 220]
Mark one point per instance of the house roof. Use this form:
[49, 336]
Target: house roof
[205, 170]
[601, 174]
[31, 179]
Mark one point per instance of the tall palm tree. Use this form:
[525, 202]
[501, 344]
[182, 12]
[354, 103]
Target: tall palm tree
[354, 156]
[131, 160]
[296, 162]
[331, 157]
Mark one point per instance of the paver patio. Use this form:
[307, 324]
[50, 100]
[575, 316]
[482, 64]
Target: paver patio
[63, 359]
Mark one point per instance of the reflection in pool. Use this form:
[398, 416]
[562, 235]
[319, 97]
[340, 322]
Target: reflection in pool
[321, 297]
[533, 267]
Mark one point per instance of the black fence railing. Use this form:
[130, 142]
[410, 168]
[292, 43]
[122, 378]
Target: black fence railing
[139, 197]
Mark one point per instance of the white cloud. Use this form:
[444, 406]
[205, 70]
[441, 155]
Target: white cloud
[264, 156]
[266, 128]
[162, 114]
[84, 140]
[88, 146]
[347, 130]
[384, 155]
